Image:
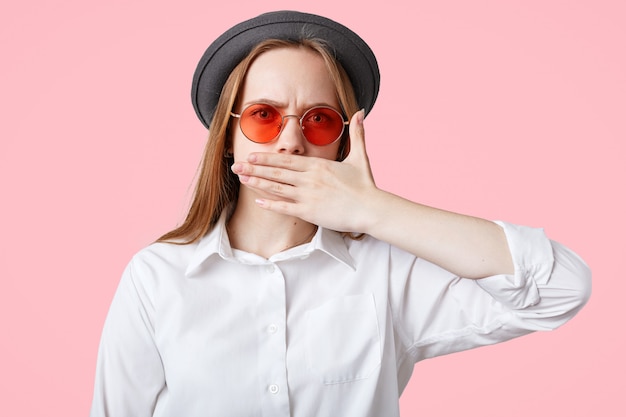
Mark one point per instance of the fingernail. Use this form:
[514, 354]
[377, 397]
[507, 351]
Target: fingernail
[260, 202]
[244, 178]
[237, 168]
[252, 158]
[360, 116]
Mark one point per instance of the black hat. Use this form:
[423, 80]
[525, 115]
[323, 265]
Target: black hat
[232, 46]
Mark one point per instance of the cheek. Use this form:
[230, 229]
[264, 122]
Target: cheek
[241, 146]
[344, 148]
[336, 151]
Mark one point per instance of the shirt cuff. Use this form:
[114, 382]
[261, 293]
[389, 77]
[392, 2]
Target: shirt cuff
[533, 259]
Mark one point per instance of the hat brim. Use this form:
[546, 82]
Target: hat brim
[223, 55]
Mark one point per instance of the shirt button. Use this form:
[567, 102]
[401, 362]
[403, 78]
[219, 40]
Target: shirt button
[272, 328]
[273, 389]
[271, 269]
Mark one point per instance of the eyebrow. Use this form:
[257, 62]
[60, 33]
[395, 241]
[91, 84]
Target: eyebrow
[282, 106]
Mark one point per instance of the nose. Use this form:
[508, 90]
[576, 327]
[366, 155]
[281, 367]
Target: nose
[291, 139]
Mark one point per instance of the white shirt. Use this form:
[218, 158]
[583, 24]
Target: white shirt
[329, 328]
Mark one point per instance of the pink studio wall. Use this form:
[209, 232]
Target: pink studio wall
[508, 110]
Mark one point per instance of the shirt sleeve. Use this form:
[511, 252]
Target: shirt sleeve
[129, 372]
[437, 313]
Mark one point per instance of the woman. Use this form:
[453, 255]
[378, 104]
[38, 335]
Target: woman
[295, 286]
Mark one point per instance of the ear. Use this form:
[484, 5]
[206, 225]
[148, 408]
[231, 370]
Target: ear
[228, 148]
[228, 151]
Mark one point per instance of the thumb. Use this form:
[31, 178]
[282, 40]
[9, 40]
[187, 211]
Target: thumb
[357, 137]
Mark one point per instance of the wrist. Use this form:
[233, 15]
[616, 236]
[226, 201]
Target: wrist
[373, 211]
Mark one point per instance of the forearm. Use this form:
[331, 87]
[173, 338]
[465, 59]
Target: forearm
[467, 246]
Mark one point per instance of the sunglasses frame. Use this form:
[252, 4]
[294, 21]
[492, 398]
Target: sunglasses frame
[300, 118]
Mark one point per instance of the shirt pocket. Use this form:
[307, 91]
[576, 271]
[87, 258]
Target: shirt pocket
[342, 339]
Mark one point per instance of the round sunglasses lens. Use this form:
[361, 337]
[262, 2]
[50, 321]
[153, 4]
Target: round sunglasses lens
[260, 123]
[322, 125]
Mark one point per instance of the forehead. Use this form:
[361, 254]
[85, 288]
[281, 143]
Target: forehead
[290, 76]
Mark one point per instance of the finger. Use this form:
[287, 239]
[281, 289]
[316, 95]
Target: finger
[358, 154]
[286, 161]
[281, 175]
[282, 207]
[357, 136]
[281, 190]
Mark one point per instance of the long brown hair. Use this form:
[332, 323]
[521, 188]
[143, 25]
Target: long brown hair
[217, 187]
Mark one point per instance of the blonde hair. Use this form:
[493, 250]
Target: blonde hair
[217, 187]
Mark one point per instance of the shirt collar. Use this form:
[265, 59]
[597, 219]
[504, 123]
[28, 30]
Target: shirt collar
[216, 243]
[333, 244]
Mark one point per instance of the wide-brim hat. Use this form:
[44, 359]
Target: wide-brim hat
[223, 55]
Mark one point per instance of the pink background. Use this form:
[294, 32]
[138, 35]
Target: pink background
[508, 110]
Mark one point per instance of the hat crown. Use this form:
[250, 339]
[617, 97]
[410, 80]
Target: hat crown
[230, 48]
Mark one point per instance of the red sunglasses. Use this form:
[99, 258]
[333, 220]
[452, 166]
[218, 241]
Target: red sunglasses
[262, 123]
